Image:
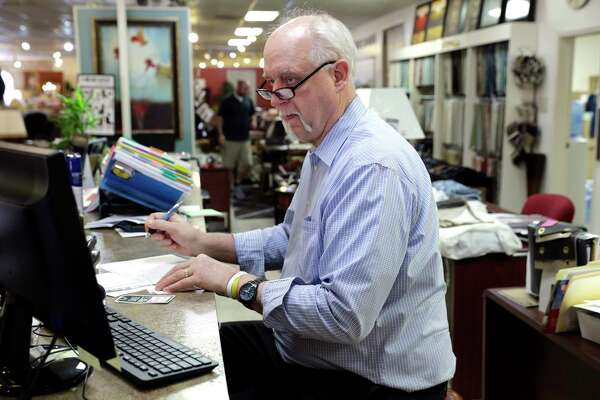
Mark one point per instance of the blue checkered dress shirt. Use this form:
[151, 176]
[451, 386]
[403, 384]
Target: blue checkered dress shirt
[362, 286]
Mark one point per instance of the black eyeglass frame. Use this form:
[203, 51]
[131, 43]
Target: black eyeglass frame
[268, 94]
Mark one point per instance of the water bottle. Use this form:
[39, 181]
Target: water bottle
[74, 161]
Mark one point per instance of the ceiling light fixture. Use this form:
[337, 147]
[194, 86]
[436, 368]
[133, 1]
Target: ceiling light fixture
[58, 62]
[252, 39]
[56, 55]
[246, 60]
[23, 28]
[193, 37]
[25, 46]
[238, 42]
[236, 65]
[202, 65]
[247, 31]
[220, 64]
[17, 64]
[232, 54]
[68, 46]
[206, 56]
[213, 61]
[263, 16]
[241, 49]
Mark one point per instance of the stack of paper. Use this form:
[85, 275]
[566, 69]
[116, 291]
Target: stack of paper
[572, 286]
[123, 277]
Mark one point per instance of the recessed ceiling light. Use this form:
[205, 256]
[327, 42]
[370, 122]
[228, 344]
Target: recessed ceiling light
[68, 46]
[202, 65]
[23, 28]
[193, 37]
[220, 64]
[238, 42]
[241, 49]
[58, 62]
[247, 31]
[232, 54]
[25, 46]
[264, 16]
[213, 61]
[252, 39]
[206, 56]
[56, 55]
[246, 60]
[17, 64]
[236, 65]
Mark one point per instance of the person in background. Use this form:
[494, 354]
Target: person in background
[359, 311]
[236, 112]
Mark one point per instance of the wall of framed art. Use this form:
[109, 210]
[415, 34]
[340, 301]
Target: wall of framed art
[160, 69]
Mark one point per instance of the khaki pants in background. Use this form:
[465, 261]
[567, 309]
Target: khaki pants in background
[237, 157]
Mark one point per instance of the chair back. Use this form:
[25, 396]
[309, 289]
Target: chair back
[550, 205]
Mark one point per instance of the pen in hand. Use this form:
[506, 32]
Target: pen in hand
[166, 217]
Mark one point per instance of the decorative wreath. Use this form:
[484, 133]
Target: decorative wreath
[528, 71]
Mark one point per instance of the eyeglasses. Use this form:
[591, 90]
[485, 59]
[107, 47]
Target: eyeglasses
[287, 93]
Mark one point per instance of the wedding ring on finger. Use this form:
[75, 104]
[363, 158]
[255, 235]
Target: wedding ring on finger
[187, 273]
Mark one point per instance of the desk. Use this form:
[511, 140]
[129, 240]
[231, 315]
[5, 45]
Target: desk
[467, 280]
[190, 319]
[523, 362]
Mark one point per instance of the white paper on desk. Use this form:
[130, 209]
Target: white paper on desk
[124, 234]
[116, 284]
[197, 211]
[149, 269]
[111, 221]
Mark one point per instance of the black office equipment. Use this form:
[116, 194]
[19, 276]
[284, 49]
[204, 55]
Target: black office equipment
[46, 271]
[148, 358]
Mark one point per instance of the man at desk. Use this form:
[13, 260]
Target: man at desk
[359, 311]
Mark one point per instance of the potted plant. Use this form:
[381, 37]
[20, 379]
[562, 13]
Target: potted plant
[74, 119]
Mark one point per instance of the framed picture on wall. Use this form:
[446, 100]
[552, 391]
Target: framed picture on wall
[456, 13]
[472, 17]
[435, 24]
[100, 92]
[153, 72]
[522, 10]
[421, 17]
[491, 13]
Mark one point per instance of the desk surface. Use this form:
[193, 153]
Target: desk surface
[189, 319]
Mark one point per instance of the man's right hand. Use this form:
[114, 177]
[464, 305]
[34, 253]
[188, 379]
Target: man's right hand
[176, 234]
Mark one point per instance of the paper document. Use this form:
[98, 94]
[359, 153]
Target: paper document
[111, 221]
[197, 211]
[148, 270]
[112, 282]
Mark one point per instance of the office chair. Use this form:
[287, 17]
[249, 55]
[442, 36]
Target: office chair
[38, 126]
[555, 206]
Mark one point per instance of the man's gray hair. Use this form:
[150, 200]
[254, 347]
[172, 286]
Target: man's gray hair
[332, 39]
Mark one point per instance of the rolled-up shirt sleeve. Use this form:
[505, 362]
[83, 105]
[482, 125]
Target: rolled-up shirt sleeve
[260, 249]
[364, 231]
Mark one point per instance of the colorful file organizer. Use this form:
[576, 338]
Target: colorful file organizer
[146, 175]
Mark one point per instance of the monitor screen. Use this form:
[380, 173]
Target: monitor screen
[45, 267]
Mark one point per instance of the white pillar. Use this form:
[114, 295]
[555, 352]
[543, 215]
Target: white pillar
[123, 68]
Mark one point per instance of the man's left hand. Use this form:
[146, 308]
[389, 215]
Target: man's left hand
[201, 272]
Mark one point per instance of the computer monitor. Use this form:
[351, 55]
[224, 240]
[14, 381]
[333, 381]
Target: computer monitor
[45, 267]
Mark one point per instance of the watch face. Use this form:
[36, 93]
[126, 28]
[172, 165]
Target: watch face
[247, 292]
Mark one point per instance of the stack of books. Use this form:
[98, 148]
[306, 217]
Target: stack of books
[146, 175]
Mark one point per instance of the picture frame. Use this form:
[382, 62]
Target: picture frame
[154, 86]
[516, 12]
[456, 14]
[435, 23]
[100, 91]
[420, 26]
[492, 13]
[472, 17]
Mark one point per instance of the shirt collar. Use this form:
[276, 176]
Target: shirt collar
[338, 134]
[239, 98]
